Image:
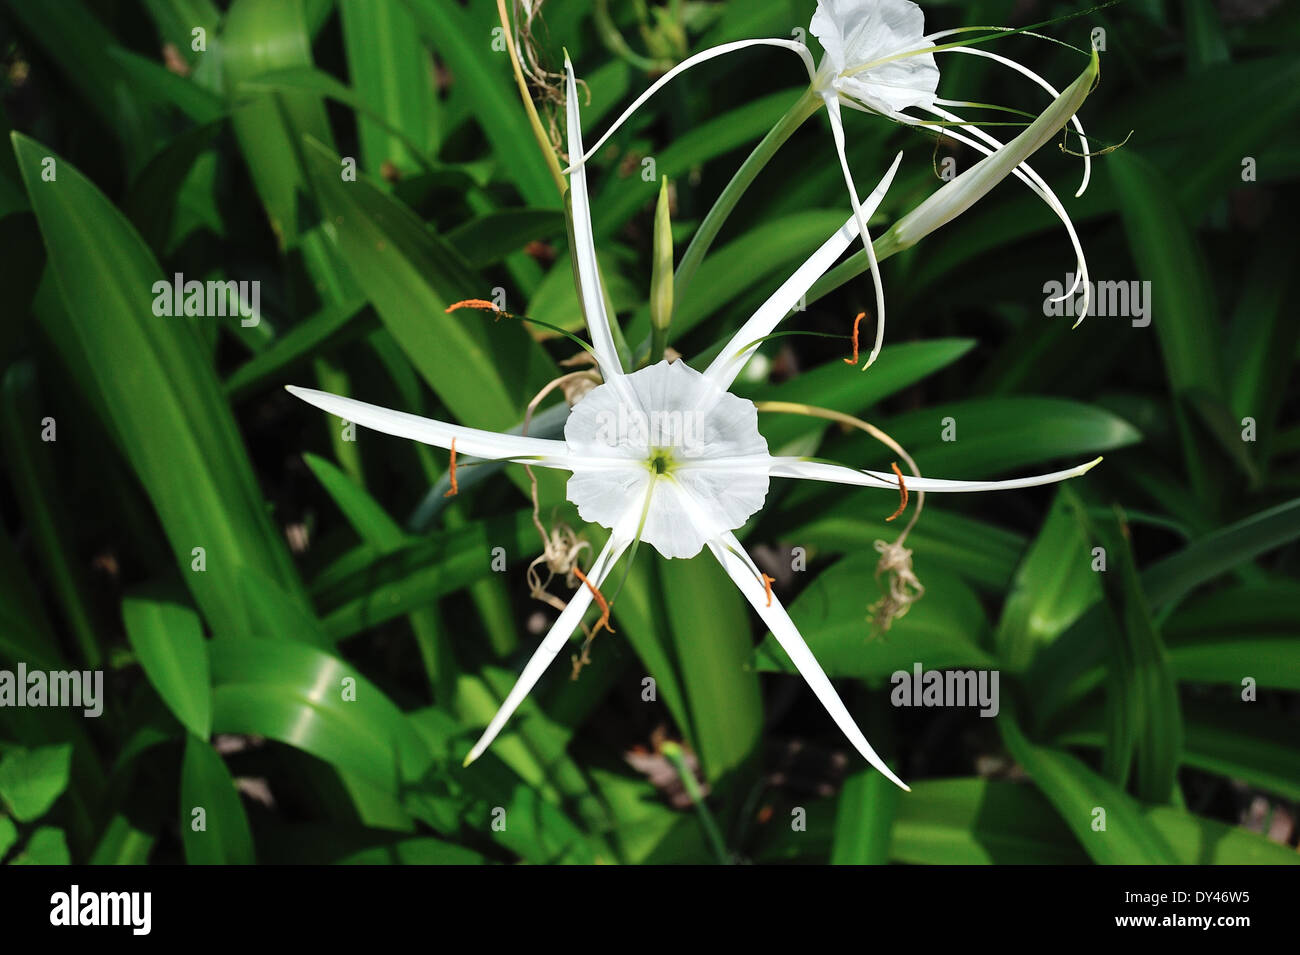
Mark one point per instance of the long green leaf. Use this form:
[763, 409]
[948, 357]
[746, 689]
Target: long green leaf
[214, 828]
[1107, 821]
[32, 465]
[485, 372]
[391, 73]
[482, 69]
[313, 701]
[711, 638]
[30, 780]
[149, 378]
[1055, 583]
[261, 36]
[167, 638]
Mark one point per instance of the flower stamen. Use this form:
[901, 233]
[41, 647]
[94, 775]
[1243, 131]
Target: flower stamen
[767, 585]
[902, 492]
[583, 656]
[856, 322]
[600, 602]
[481, 304]
[455, 489]
[561, 547]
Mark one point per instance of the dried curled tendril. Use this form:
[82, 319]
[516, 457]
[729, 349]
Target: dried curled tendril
[547, 86]
[561, 547]
[902, 588]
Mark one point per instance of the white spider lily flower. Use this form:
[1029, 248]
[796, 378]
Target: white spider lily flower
[879, 59]
[668, 456]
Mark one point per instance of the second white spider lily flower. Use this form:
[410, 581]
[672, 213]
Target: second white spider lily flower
[669, 456]
[879, 59]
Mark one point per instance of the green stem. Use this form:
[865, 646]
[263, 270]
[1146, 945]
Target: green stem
[535, 121]
[615, 43]
[674, 754]
[804, 107]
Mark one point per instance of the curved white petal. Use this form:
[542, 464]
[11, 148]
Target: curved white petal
[954, 198]
[838, 474]
[837, 133]
[724, 369]
[554, 640]
[1051, 90]
[682, 67]
[471, 441]
[1026, 174]
[740, 568]
[584, 252]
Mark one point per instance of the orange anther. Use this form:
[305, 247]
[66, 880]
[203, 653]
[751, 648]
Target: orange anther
[902, 492]
[767, 585]
[600, 601]
[856, 322]
[454, 488]
[479, 303]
